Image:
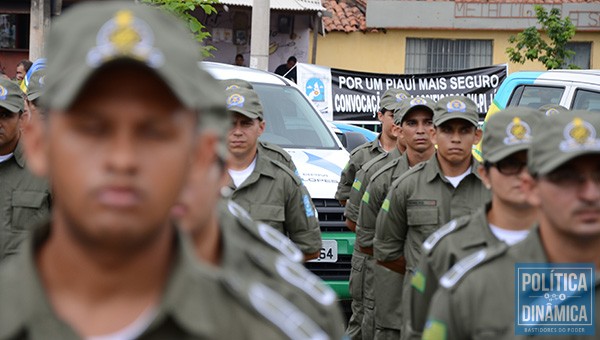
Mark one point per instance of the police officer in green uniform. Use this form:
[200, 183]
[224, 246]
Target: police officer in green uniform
[34, 91]
[476, 299]
[361, 276]
[273, 151]
[24, 197]
[267, 189]
[431, 193]
[225, 237]
[507, 218]
[382, 144]
[122, 95]
[415, 121]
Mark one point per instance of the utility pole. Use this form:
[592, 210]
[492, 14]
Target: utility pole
[39, 24]
[259, 38]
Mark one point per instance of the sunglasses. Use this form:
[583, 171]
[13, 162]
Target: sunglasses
[571, 178]
[508, 166]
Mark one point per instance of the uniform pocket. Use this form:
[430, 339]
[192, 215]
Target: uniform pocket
[28, 208]
[272, 215]
[357, 277]
[422, 216]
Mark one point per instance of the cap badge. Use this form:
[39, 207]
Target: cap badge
[125, 35]
[579, 135]
[418, 101]
[400, 97]
[518, 131]
[42, 80]
[235, 100]
[3, 92]
[232, 87]
[456, 106]
[552, 111]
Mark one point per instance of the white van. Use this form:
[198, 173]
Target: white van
[293, 123]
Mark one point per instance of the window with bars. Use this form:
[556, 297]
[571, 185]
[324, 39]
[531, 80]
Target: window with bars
[582, 57]
[442, 55]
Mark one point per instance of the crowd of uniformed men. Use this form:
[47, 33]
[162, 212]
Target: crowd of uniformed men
[131, 180]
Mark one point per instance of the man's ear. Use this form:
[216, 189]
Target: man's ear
[261, 127]
[434, 136]
[35, 144]
[478, 134]
[530, 187]
[205, 151]
[485, 176]
[397, 131]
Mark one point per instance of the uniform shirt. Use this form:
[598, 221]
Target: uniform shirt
[478, 303]
[273, 194]
[363, 177]
[420, 202]
[373, 197]
[441, 250]
[197, 303]
[24, 202]
[358, 157]
[277, 153]
[258, 252]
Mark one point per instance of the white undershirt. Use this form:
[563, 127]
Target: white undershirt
[509, 236]
[239, 176]
[455, 181]
[133, 330]
[4, 158]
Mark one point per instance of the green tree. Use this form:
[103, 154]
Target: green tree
[531, 46]
[184, 9]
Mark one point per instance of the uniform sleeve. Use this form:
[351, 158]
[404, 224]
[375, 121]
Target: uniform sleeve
[356, 191]
[390, 228]
[423, 284]
[346, 179]
[301, 223]
[367, 216]
[442, 318]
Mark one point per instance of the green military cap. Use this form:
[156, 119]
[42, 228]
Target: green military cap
[36, 85]
[455, 107]
[407, 106]
[245, 102]
[391, 99]
[11, 96]
[229, 84]
[559, 138]
[93, 34]
[552, 109]
[507, 132]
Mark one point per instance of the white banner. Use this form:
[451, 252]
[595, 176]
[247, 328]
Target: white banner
[315, 81]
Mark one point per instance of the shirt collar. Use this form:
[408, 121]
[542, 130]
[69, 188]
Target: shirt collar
[433, 169]
[19, 155]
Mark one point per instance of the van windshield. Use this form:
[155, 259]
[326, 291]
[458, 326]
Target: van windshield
[291, 121]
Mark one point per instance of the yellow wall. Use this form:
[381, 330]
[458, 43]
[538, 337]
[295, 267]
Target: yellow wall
[385, 52]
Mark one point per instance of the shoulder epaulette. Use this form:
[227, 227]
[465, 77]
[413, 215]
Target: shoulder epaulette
[266, 233]
[391, 164]
[410, 171]
[462, 267]
[360, 147]
[295, 274]
[374, 160]
[289, 171]
[446, 229]
[276, 148]
[273, 307]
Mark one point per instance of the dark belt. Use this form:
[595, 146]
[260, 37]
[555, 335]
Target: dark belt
[366, 250]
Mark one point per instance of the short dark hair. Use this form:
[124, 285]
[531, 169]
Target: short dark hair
[239, 56]
[26, 64]
[292, 58]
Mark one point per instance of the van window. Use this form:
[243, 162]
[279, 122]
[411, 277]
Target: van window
[535, 96]
[587, 100]
[291, 121]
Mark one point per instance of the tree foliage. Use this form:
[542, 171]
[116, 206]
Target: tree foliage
[184, 9]
[531, 46]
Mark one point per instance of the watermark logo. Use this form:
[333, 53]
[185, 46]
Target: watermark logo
[554, 299]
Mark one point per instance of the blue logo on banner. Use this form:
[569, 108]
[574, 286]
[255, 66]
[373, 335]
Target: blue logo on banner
[315, 90]
[554, 299]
